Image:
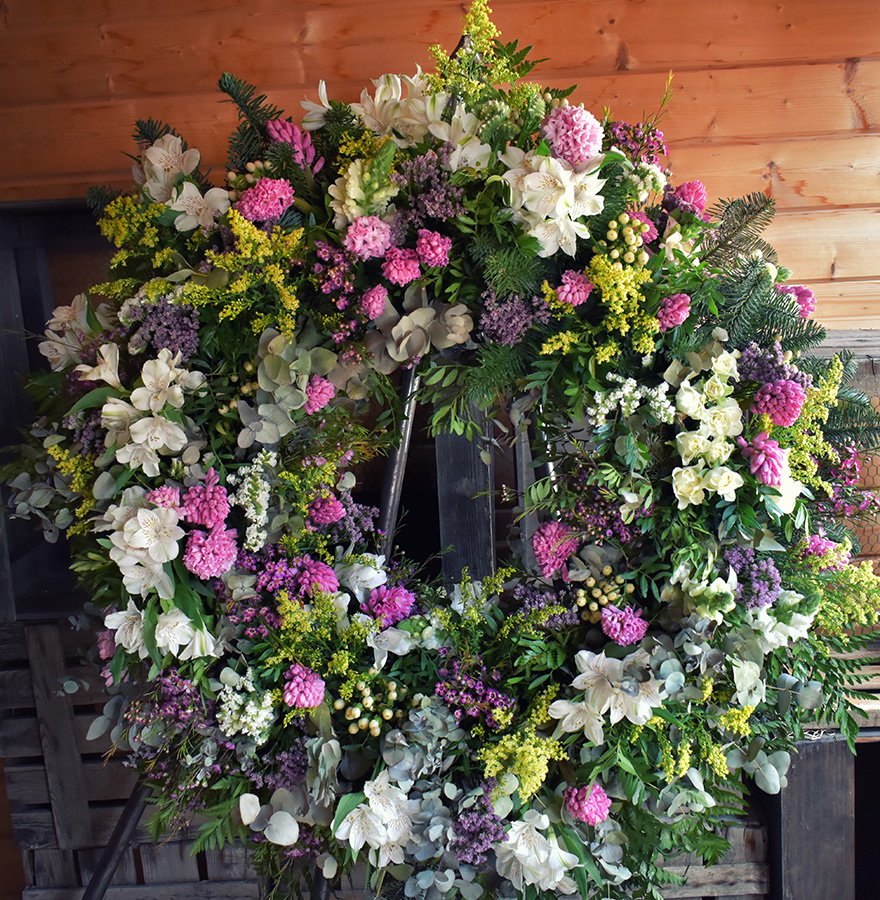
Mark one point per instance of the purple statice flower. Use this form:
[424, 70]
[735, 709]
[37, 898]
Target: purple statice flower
[806, 299]
[206, 504]
[390, 603]
[325, 510]
[476, 829]
[290, 767]
[87, 431]
[433, 248]
[642, 142]
[781, 400]
[372, 302]
[766, 458]
[401, 265]
[319, 392]
[300, 141]
[211, 553]
[267, 199]
[179, 702]
[553, 543]
[166, 325]
[304, 689]
[764, 364]
[759, 579]
[428, 193]
[573, 134]
[468, 690]
[507, 321]
[673, 311]
[368, 237]
[652, 233]
[533, 598]
[589, 803]
[356, 525]
[575, 288]
[623, 626]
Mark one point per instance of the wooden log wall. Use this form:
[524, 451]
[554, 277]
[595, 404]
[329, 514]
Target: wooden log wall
[781, 97]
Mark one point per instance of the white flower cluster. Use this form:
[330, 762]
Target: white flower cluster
[253, 496]
[647, 179]
[244, 709]
[628, 398]
[528, 857]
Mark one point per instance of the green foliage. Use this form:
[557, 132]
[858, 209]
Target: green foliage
[99, 198]
[737, 234]
[248, 141]
[510, 272]
[148, 131]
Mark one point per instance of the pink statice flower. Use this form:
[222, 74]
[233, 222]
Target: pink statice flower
[673, 311]
[368, 237]
[691, 197]
[319, 392]
[766, 458]
[433, 248]
[106, 643]
[390, 603]
[326, 510]
[805, 298]
[553, 543]
[623, 626]
[401, 265]
[304, 688]
[210, 553]
[781, 400]
[165, 496]
[573, 134]
[575, 287]
[267, 199]
[315, 575]
[283, 132]
[373, 301]
[645, 219]
[589, 803]
[206, 504]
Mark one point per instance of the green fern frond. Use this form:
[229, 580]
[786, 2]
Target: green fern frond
[99, 198]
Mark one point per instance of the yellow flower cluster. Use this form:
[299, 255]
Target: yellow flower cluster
[524, 754]
[559, 343]
[737, 720]
[76, 468]
[353, 147]
[712, 753]
[622, 298]
[125, 220]
[708, 684]
[539, 712]
[849, 598]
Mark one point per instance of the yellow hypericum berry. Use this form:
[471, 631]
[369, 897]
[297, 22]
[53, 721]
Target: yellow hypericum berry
[353, 729]
[338, 703]
[607, 570]
[623, 218]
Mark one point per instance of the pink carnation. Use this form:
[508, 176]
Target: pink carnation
[589, 803]
[573, 134]
[326, 510]
[805, 298]
[267, 199]
[691, 196]
[401, 265]
[651, 233]
[319, 392]
[206, 504]
[315, 575]
[553, 543]
[575, 287]
[368, 237]
[623, 626]
[766, 458]
[304, 688]
[283, 132]
[781, 400]
[390, 604]
[210, 553]
[373, 301]
[673, 311]
[432, 248]
[167, 497]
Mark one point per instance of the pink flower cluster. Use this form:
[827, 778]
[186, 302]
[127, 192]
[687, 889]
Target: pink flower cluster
[623, 626]
[575, 287]
[315, 575]
[304, 688]
[673, 311]
[553, 543]
[433, 248]
[573, 134]
[267, 199]
[319, 392]
[165, 496]
[368, 237]
[283, 132]
[805, 298]
[206, 504]
[819, 545]
[781, 400]
[373, 301]
[210, 553]
[766, 458]
[589, 803]
[691, 196]
[401, 265]
[390, 604]
[645, 219]
[326, 510]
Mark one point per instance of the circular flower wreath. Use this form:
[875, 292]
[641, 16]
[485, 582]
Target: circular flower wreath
[550, 729]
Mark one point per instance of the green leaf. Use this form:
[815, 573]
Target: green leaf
[345, 806]
[97, 397]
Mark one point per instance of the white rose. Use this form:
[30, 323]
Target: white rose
[724, 365]
[690, 445]
[718, 452]
[724, 481]
[689, 400]
[687, 484]
[715, 389]
[724, 419]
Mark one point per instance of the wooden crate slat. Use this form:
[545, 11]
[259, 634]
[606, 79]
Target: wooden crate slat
[202, 890]
[16, 690]
[21, 737]
[54, 868]
[111, 780]
[126, 870]
[171, 861]
[231, 862]
[720, 880]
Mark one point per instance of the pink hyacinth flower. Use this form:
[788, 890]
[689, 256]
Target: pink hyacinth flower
[210, 554]
[391, 604]
[401, 266]
[575, 287]
[167, 497]
[573, 133]
[673, 311]
[433, 248]
[781, 400]
[283, 132]
[691, 196]
[553, 543]
[589, 803]
[326, 511]
[373, 301]
[319, 392]
[623, 626]
[267, 199]
[368, 237]
[766, 458]
[806, 299]
[206, 504]
[304, 688]
[315, 575]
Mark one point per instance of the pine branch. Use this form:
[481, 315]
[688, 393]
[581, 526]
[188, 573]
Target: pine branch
[148, 131]
[511, 272]
[737, 234]
[99, 198]
[254, 111]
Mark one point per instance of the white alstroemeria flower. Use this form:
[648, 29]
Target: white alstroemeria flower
[60, 349]
[107, 368]
[558, 234]
[586, 199]
[579, 716]
[461, 132]
[385, 798]
[73, 317]
[549, 875]
[128, 628]
[196, 209]
[156, 531]
[599, 678]
[362, 826]
[315, 112]
[143, 577]
[163, 162]
[519, 164]
[139, 456]
[637, 709]
[117, 416]
[362, 574]
[203, 643]
[386, 854]
[549, 190]
[159, 377]
[391, 640]
[380, 113]
[174, 629]
[158, 434]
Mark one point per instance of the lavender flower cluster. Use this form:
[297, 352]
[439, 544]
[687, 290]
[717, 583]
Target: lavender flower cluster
[507, 321]
[759, 579]
[165, 325]
[473, 695]
[767, 364]
[532, 598]
[477, 828]
[430, 195]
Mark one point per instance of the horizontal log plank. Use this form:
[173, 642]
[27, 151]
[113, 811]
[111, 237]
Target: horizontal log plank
[849, 304]
[20, 737]
[103, 781]
[720, 880]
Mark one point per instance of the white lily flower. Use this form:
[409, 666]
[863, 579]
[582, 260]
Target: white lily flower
[361, 826]
[577, 717]
[315, 112]
[128, 628]
[158, 434]
[203, 643]
[173, 630]
[156, 531]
